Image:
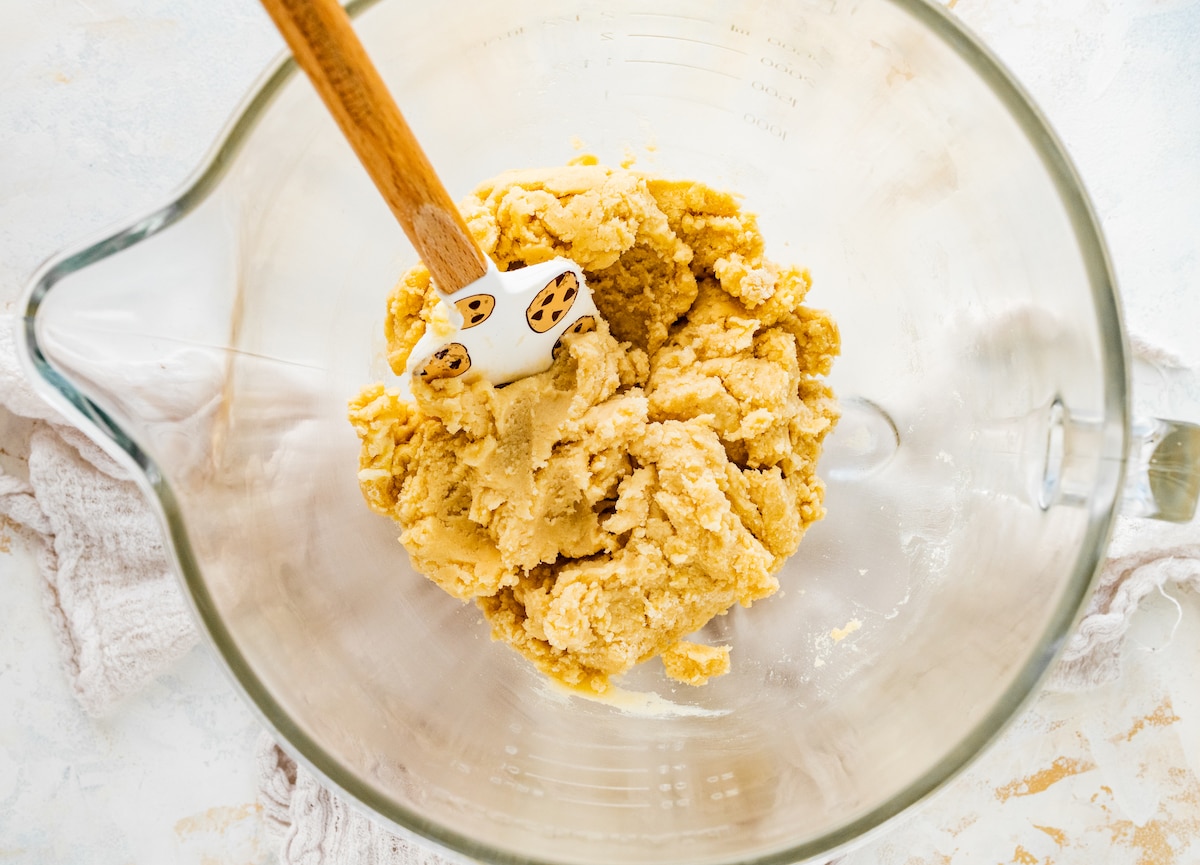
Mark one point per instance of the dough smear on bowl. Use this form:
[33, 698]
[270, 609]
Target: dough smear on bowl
[659, 472]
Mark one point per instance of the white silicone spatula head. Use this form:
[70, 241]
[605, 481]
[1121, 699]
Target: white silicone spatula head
[504, 325]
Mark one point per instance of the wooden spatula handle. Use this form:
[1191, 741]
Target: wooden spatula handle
[328, 50]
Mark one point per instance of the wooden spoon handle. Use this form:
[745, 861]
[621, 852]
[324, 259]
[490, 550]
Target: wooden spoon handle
[328, 50]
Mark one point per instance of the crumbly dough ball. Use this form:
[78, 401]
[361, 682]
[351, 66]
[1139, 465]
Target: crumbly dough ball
[694, 664]
[659, 472]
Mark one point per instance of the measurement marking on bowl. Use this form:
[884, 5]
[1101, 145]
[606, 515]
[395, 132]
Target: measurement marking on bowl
[670, 15]
[585, 786]
[686, 39]
[771, 90]
[591, 804]
[765, 125]
[687, 66]
[511, 34]
[581, 766]
[779, 66]
[576, 746]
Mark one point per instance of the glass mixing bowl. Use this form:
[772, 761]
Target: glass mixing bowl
[213, 344]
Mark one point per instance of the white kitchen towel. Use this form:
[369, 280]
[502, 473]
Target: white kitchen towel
[121, 620]
[111, 595]
[315, 827]
[1093, 652]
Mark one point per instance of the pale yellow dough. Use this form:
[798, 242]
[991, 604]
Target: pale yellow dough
[659, 472]
[694, 664]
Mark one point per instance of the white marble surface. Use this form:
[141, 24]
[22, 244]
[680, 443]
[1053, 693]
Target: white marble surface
[106, 105]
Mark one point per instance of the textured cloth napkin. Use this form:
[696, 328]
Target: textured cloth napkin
[121, 620]
[316, 827]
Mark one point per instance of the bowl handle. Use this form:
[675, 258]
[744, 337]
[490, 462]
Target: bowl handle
[1162, 481]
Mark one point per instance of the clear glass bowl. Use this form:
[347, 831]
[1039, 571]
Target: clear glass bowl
[214, 343]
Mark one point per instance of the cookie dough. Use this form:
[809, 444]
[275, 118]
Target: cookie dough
[659, 472]
[695, 664]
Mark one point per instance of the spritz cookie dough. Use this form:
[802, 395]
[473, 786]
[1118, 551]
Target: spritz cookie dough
[659, 472]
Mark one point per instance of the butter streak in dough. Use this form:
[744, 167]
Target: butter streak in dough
[658, 473]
